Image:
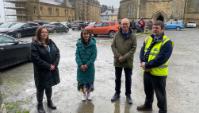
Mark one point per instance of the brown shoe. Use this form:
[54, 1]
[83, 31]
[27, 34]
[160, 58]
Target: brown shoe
[144, 108]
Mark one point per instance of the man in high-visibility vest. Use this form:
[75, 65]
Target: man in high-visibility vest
[154, 56]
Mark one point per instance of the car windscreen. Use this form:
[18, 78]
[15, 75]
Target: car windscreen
[7, 25]
[6, 39]
[98, 24]
[48, 25]
[91, 24]
[18, 25]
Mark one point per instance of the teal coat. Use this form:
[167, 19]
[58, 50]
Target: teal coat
[86, 54]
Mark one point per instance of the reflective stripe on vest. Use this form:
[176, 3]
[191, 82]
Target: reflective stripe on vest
[163, 69]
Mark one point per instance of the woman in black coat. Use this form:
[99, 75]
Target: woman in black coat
[45, 57]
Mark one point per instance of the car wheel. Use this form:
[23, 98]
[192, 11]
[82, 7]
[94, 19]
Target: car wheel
[178, 29]
[111, 34]
[18, 35]
[66, 30]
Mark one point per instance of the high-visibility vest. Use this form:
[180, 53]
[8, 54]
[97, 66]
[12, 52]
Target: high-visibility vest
[162, 70]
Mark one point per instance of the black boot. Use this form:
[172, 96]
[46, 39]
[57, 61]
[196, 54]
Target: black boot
[144, 108]
[51, 105]
[129, 100]
[115, 97]
[40, 108]
[162, 111]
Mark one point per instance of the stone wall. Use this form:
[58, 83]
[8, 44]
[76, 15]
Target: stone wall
[188, 10]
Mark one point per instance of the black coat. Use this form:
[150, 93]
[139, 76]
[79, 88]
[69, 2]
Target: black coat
[42, 59]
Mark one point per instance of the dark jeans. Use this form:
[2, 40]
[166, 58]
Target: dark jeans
[118, 74]
[155, 84]
[40, 94]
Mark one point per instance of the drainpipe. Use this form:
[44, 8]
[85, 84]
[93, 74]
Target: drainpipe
[138, 9]
[185, 6]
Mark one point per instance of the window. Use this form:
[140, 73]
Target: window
[26, 25]
[33, 24]
[34, 11]
[98, 24]
[50, 11]
[105, 24]
[57, 11]
[41, 8]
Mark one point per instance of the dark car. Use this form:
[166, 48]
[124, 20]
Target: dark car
[40, 22]
[12, 51]
[78, 25]
[21, 30]
[56, 27]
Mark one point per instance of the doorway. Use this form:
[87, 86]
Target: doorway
[160, 17]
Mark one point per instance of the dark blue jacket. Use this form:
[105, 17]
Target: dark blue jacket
[163, 56]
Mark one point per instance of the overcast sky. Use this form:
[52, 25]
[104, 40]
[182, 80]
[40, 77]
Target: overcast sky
[114, 3]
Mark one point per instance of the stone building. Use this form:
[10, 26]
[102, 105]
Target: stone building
[51, 10]
[165, 10]
[88, 10]
[191, 11]
[110, 14]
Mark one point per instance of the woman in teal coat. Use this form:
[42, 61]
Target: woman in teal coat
[86, 53]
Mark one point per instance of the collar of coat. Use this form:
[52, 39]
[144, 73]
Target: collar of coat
[41, 44]
[91, 42]
[126, 35]
[160, 38]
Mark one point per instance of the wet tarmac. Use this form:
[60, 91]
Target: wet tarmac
[18, 89]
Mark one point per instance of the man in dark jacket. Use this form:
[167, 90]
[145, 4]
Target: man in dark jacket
[154, 56]
[123, 47]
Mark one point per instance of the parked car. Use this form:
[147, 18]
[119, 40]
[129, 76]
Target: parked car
[191, 25]
[78, 25]
[12, 51]
[67, 24]
[104, 28]
[91, 24]
[21, 30]
[178, 25]
[56, 27]
[41, 22]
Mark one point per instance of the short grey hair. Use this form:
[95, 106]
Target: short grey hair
[125, 20]
[159, 23]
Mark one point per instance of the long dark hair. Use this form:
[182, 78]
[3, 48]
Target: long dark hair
[38, 35]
